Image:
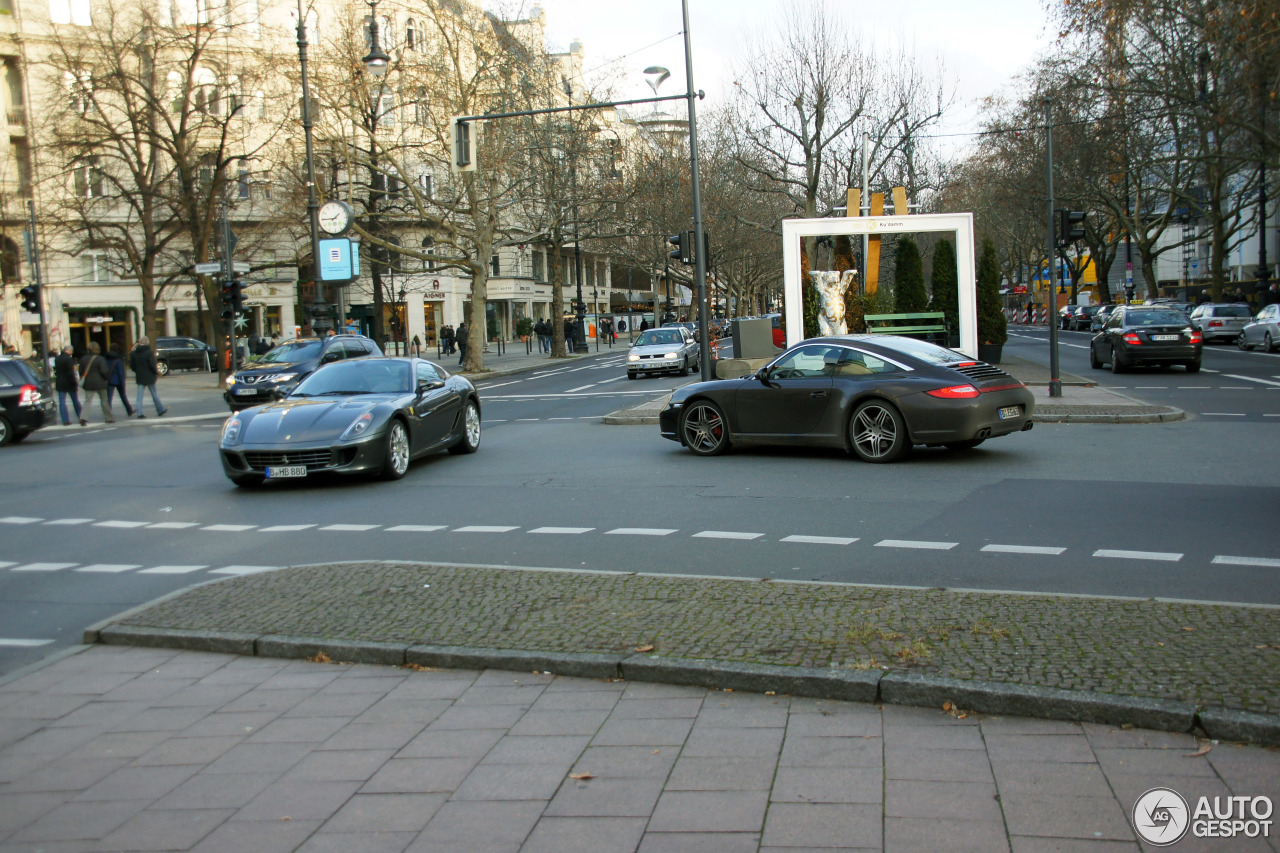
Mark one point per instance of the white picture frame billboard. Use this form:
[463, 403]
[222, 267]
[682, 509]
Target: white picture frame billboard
[958, 224]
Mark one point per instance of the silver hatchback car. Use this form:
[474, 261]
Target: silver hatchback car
[1221, 321]
[670, 349]
[1263, 332]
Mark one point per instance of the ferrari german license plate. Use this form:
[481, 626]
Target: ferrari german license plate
[286, 471]
[1010, 412]
[1165, 337]
[245, 392]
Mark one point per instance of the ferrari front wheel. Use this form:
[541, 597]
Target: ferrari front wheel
[396, 461]
[470, 440]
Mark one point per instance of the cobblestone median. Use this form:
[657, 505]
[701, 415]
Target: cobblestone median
[1206, 654]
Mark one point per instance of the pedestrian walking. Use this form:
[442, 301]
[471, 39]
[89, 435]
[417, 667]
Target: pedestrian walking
[143, 363]
[417, 346]
[94, 373]
[542, 330]
[447, 338]
[460, 337]
[115, 382]
[67, 382]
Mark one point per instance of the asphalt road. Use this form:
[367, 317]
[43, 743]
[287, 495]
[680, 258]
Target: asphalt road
[95, 521]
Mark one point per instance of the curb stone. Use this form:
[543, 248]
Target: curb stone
[577, 665]
[847, 684]
[227, 642]
[993, 697]
[342, 651]
[1233, 725]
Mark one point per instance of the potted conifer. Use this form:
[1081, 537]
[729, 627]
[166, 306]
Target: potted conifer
[992, 326]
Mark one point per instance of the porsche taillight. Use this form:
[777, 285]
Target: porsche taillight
[954, 392]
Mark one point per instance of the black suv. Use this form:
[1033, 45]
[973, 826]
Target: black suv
[184, 354]
[26, 401]
[277, 373]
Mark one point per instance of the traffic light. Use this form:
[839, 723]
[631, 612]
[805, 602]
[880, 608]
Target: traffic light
[31, 299]
[463, 146]
[684, 246]
[228, 300]
[237, 296]
[1070, 226]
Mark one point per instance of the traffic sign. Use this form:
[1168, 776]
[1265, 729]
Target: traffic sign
[208, 269]
[240, 266]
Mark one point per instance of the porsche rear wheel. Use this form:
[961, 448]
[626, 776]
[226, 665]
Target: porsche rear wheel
[877, 432]
[396, 461]
[704, 430]
[470, 441]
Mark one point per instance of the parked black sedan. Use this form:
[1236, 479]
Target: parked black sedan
[873, 395]
[1146, 335]
[26, 402]
[365, 416]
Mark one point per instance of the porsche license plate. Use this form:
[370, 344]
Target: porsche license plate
[1165, 337]
[1010, 412]
[286, 471]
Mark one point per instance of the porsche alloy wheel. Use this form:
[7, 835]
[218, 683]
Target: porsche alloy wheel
[704, 430]
[397, 450]
[877, 432]
[470, 441]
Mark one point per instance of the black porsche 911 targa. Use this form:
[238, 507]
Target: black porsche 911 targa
[367, 416]
[873, 395]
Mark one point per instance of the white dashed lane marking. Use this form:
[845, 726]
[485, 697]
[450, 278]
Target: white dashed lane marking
[1223, 414]
[43, 567]
[915, 543]
[1023, 549]
[1247, 561]
[639, 531]
[415, 528]
[726, 534]
[243, 570]
[1164, 556]
[125, 525]
[229, 528]
[1251, 379]
[562, 530]
[172, 570]
[69, 521]
[484, 528]
[287, 528]
[109, 568]
[23, 644]
[19, 519]
[174, 525]
[820, 540]
[350, 528]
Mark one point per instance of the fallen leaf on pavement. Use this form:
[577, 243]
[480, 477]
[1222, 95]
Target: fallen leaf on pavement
[946, 706]
[581, 776]
[647, 648]
[1263, 646]
[319, 657]
[1188, 628]
[1203, 750]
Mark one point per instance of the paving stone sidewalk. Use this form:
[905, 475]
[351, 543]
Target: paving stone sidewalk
[114, 749]
[1193, 655]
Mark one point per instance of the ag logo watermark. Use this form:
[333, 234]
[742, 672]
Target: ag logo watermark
[1162, 817]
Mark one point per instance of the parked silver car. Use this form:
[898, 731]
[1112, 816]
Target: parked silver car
[670, 349]
[1263, 332]
[1219, 321]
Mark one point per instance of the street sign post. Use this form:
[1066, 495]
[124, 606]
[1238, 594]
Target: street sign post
[240, 266]
[211, 268]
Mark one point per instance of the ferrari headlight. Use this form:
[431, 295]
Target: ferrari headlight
[231, 431]
[670, 355]
[358, 427]
[633, 358]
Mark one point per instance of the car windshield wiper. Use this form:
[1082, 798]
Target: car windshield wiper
[336, 393]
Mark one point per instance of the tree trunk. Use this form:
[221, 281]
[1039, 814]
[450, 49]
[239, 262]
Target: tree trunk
[555, 270]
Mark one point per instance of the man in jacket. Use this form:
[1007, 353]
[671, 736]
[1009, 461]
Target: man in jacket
[66, 381]
[94, 373]
[116, 382]
[460, 337]
[143, 363]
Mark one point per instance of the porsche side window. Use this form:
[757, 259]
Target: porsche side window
[857, 363]
[806, 362]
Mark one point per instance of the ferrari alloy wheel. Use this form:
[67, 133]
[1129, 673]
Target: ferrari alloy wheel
[704, 430]
[470, 440]
[876, 432]
[397, 452]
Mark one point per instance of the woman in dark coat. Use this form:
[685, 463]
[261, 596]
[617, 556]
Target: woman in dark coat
[116, 382]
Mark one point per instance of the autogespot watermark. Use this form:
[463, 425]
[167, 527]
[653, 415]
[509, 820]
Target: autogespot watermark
[1162, 817]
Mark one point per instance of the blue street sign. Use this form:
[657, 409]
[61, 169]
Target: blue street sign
[339, 262]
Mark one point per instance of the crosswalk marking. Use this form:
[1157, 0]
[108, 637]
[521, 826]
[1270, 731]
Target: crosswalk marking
[820, 540]
[484, 528]
[44, 567]
[69, 521]
[1165, 556]
[726, 534]
[916, 543]
[286, 528]
[229, 528]
[19, 519]
[415, 528]
[243, 570]
[1023, 549]
[121, 524]
[350, 528]
[172, 570]
[173, 525]
[109, 568]
[565, 530]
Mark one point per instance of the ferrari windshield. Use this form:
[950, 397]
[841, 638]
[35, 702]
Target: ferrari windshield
[364, 376]
[659, 338]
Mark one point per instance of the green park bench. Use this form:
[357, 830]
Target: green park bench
[930, 325]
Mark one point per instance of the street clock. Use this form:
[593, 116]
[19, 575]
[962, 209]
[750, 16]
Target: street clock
[335, 217]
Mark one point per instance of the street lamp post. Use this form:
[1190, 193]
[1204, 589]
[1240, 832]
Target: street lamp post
[313, 204]
[376, 63]
[1264, 268]
[700, 256]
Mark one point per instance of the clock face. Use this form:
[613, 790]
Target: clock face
[335, 217]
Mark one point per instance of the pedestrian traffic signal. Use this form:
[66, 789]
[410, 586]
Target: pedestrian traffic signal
[463, 145]
[1070, 226]
[683, 243]
[31, 299]
[237, 296]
